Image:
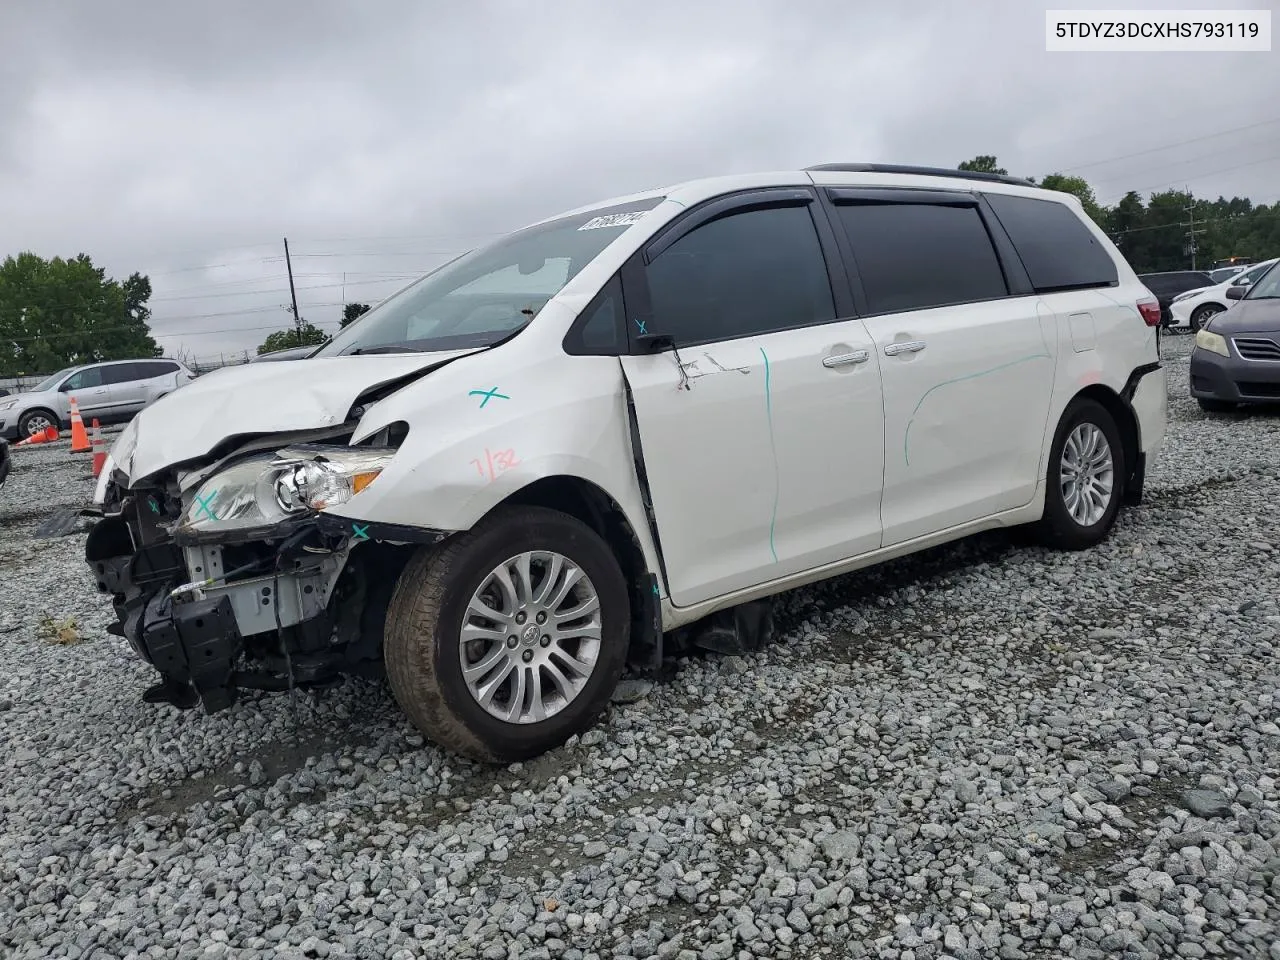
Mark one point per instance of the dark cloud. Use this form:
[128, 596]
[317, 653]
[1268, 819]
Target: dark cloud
[384, 137]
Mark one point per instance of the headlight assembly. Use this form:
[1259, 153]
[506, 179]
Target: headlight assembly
[265, 490]
[8, 404]
[1213, 342]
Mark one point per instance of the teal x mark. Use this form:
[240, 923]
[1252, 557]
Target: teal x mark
[488, 395]
[359, 532]
[202, 504]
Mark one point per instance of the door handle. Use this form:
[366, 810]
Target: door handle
[840, 359]
[907, 346]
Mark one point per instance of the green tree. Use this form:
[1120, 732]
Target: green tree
[304, 336]
[351, 311]
[57, 313]
[984, 163]
[1080, 189]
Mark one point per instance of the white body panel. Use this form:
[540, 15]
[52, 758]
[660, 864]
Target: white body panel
[956, 448]
[768, 464]
[755, 488]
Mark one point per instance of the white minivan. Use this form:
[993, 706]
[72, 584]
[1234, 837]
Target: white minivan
[513, 477]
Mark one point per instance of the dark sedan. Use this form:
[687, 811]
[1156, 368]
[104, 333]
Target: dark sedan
[1166, 286]
[1236, 358]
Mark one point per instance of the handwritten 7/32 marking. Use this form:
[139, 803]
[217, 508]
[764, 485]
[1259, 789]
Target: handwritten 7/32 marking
[495, 463]
[488, 395]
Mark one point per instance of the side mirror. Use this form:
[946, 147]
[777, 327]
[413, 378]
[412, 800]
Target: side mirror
[1237, 291]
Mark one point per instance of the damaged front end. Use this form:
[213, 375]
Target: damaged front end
[232, 576]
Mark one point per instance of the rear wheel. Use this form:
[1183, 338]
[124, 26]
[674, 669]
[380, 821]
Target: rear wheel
[1085, 478]
[509, 638]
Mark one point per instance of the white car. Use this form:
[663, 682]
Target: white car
[109, 392]
[1195, 308]
[524, 470]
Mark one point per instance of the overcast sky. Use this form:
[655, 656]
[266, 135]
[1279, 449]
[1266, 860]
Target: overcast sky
[185, 140]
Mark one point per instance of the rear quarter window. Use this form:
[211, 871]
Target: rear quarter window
[1058, 251]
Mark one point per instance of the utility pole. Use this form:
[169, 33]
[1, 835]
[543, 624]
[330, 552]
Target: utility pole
[1192, 232]
[293, 294]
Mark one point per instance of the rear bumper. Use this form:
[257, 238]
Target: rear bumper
[1233, 380]
[1148, 396]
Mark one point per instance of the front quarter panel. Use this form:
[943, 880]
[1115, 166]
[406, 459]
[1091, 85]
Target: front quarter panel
[485, 426]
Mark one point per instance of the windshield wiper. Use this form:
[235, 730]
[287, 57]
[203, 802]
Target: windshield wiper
[499, 342]
[384, 348]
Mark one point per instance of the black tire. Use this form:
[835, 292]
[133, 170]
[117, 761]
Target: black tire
[1209, 405]
[1203, 315]
[426, 613]
[24, 421]
[1057, 528]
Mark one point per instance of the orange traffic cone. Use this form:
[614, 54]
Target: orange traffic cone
[47, 435]
[79, 437]
[99, 448]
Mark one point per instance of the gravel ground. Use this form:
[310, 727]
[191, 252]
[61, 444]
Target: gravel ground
[984, 751]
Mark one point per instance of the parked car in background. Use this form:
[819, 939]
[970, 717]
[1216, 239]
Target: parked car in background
[502, 485]
[1195, 308]
[1166, 286]
[1223, 274]
[289, 353]
[1238, 262]
[1236, 357]
[111, 391]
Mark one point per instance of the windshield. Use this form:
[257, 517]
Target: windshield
[48, 383]
[489, 293]
[1225, 273]
[1267, 287]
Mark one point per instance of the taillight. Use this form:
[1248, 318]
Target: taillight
[1150, 310]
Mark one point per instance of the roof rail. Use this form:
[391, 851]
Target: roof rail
[918, 171]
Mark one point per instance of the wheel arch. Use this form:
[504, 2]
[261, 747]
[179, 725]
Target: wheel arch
[1130, 438]
[53, 414]
[591, 504]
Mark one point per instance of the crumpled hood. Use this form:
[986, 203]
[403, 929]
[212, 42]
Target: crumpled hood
[256, 398]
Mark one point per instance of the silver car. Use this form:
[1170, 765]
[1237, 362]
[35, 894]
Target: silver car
[111, 391]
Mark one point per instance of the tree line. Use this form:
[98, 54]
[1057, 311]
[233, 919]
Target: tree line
[61, 312]
[1153, 233]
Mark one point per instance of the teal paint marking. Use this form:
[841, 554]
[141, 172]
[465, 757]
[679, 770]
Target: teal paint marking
[906, 436]
[360, 533]
[656, 591]
[773, 445]
[202, 504]
[151, 502]
[640, 324]
[488, 395]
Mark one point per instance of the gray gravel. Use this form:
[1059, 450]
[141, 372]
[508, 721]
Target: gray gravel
[985, 751]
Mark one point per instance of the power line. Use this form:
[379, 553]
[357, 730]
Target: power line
[1206, 173]
[256, 293]
[1167, 146]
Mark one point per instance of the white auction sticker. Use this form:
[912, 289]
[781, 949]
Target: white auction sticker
[613, 220]
[1142, 31]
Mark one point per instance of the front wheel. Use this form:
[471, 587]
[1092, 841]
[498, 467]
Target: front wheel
[509, 638]
[1200, 319]
[1085, 478]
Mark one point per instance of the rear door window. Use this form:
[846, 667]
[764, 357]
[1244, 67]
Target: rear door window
[741, 275]
[121, 372]
[1058, 251]
[911, 256]
[83, 379]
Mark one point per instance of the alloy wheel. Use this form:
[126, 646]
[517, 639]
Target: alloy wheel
[530, 639]
[1087, 474]
[37, 424]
